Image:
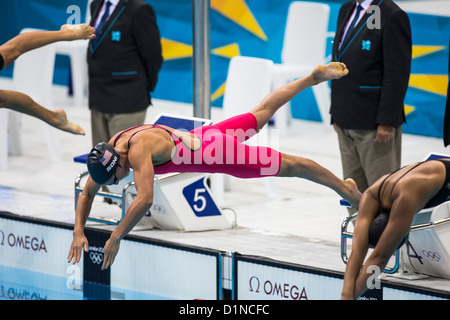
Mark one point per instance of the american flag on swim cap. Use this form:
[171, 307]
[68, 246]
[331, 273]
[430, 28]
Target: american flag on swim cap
[106, 157]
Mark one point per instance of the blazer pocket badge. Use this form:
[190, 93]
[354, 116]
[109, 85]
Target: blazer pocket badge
[115, 35]
[366, 44]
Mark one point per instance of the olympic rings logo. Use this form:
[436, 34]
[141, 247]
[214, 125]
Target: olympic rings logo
[96, 257]
[431, 255]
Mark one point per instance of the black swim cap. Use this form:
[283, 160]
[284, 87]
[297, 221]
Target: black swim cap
[102, 162]
[377, 227]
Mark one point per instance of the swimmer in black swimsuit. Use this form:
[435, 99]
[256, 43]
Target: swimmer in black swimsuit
[399, 195]
[25, 42]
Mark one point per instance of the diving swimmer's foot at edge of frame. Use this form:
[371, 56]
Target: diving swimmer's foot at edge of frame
[65, 125]
[353, 195]
[331, 71]
[79, 31]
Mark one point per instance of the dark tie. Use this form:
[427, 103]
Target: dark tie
[352, 25]
[102, 23]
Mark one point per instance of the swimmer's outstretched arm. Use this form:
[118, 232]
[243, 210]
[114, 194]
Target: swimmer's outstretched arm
[402, 211]
[141, 161]
[368, 208]
[84, 204]
[28, 41]
[144, 174]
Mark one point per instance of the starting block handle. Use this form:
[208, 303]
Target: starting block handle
[346, 235]
[345, 203]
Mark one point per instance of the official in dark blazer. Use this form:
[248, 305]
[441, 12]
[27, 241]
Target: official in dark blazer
[123, 62]
[367, 106]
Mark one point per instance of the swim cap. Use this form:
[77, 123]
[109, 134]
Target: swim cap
[377, 227]
[102, 162]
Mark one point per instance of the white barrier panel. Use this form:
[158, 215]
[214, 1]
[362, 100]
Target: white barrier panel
[164, 272]
[31, 246]
[399, 294]
[33, 261]
[257, 278]
[33, 265]
[265, 280]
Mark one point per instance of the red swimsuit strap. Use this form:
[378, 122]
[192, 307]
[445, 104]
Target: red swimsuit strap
[120, 134]
[152, 127]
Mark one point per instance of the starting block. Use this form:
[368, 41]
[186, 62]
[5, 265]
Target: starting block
[427, 250]
[181, 201]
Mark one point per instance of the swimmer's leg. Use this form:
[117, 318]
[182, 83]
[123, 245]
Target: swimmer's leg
[279, 97]
[292, 166]
[27, 41]
[22, 103]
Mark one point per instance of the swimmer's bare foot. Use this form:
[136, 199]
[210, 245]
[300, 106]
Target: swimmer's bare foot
[64, 124]
[353, 194]
[79, 31]
[333, 70]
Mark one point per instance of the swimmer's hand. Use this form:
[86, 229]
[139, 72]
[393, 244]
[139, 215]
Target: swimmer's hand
[79, 243]
[110, 251]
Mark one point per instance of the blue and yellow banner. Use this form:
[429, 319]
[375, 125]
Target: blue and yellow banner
[252, 28]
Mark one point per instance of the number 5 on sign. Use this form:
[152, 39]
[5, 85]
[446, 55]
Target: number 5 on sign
[199, 199]
[198, 196]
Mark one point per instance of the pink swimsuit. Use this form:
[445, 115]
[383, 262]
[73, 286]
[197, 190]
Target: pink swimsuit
[222, 151]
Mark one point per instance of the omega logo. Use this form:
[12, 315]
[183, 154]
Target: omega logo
[282, 290]
[22, 241]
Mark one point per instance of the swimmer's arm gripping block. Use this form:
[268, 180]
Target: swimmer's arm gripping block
[346, 235]
[427, 250]
[430, 229]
